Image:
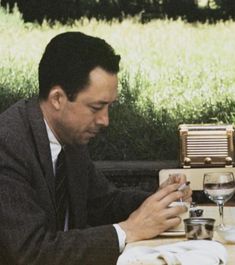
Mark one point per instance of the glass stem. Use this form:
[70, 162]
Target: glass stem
[221, 213]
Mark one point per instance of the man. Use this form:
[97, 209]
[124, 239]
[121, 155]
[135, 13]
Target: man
[54, 207]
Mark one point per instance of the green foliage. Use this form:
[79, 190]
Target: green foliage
[171, 73]
[68, 10]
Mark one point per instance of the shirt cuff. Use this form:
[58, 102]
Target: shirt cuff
[121, 237]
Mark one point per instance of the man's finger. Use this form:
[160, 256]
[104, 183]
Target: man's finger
[160, 194]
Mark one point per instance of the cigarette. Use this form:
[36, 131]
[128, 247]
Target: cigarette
[182, 187]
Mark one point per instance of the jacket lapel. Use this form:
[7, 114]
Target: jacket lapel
[42, 144]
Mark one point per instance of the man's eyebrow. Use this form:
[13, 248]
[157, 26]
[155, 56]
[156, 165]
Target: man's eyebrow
[102, 102]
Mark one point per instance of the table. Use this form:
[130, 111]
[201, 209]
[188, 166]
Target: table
[211, 211]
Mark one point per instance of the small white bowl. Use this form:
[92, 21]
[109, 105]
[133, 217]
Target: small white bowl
[228, 234]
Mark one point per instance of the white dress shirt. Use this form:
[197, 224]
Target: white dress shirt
[55, 148]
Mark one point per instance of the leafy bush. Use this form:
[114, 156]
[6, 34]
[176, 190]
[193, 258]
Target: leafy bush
[67, 10]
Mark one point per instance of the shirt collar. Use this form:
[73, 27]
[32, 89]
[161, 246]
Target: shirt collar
[55, 146]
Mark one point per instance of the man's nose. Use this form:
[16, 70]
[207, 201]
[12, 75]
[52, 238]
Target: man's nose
[103, 118]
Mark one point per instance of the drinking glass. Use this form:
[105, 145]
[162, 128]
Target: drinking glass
[219, 187]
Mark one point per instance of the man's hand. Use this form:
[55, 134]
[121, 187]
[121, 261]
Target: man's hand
[154, 216]
[174, 178]
[179, 178]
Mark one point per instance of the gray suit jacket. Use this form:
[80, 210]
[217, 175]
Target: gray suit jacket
[28, 229]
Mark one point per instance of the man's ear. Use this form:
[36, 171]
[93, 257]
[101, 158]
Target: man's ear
[57, 97]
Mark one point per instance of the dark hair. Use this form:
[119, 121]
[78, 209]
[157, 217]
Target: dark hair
[69, 58]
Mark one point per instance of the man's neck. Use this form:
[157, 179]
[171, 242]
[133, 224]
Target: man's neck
[48, 117]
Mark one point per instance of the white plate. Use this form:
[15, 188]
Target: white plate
[173, 233]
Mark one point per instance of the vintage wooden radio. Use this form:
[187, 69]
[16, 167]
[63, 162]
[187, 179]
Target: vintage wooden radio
[206, 145]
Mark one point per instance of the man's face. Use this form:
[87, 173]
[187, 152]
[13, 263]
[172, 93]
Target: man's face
[80, 120]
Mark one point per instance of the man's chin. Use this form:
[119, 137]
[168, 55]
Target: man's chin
[85, 140]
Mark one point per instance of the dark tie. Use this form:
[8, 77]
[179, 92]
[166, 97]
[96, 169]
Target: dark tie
[61, 189]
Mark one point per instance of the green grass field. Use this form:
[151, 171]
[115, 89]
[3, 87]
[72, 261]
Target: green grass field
[171, 73]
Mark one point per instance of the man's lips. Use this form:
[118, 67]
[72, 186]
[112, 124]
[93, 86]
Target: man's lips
[93, 132]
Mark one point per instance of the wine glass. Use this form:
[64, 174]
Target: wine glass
[219, 187]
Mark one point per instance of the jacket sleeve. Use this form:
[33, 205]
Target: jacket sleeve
[107, 204]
